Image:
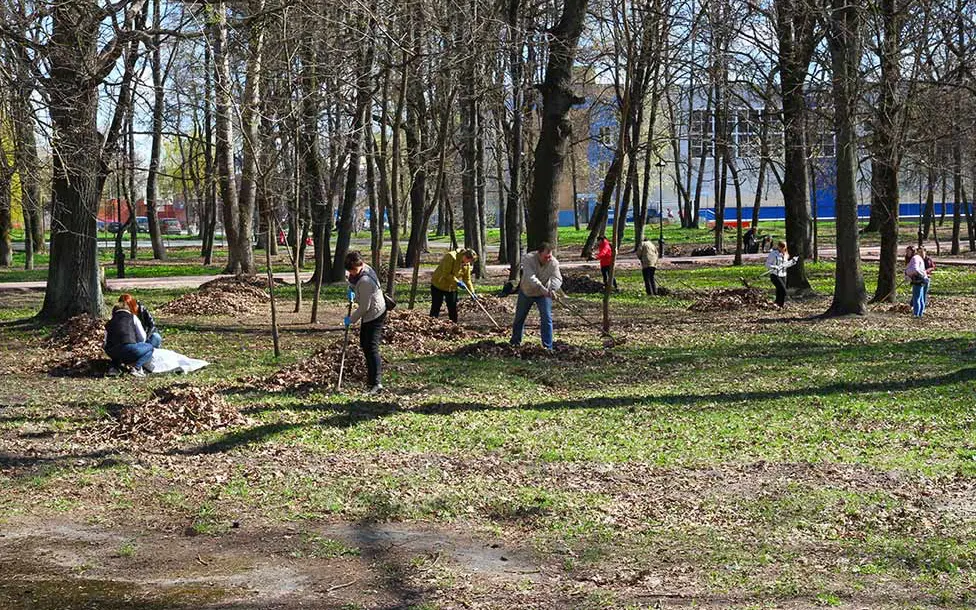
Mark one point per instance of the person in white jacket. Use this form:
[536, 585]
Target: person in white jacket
[541, 280]
[777, 262]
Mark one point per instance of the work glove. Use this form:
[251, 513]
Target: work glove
[462, 285]
[347, 321]
[351, 294]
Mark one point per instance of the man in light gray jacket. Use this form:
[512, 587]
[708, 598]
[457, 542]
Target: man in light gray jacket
[540, 281]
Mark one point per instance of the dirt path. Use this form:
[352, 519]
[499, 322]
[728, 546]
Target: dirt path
[71, 565]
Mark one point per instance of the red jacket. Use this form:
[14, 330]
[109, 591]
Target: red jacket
[605, 254]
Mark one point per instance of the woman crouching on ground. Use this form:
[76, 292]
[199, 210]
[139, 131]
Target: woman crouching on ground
[371, 309]
[126, 342]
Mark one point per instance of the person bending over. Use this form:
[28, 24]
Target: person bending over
[371, 310]
[541, 280]
[453, 272]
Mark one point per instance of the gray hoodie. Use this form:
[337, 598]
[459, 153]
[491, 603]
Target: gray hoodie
[370, 303]
[539, 279]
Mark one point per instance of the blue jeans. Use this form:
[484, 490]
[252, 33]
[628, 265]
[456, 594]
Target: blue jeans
[920, 298]
[133, 354]
[544, 304]
[155, 339]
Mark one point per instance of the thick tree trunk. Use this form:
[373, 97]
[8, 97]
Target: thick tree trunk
[845, 52]
[6, 250]
[795, 34]
[553, 144]
[513, 206]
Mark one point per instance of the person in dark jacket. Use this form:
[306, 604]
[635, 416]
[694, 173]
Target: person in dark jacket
[126, 342]
[371, 309]
[145, 318]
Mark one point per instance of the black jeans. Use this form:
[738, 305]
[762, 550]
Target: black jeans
[370, 335]
[606, 277]
[780, 283]
[438, 296]
[649, 286]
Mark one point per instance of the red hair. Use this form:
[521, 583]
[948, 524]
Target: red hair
[129, 301]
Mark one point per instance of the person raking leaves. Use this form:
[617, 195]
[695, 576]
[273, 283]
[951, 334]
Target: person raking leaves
[453, 272]
[541, 280]
[371, 309]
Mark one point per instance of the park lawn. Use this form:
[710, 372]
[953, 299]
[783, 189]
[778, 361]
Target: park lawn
[747, 459]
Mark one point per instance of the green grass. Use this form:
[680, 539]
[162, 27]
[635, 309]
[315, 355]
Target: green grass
[767, 457]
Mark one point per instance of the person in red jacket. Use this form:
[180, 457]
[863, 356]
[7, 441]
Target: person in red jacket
[604, 254]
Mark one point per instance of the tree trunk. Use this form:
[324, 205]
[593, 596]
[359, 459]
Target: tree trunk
[241, 248]
[354, 152]
[156, 149]
[795, 34]
[553, 144]
[224, 136]
[845, 52]
[76, 71]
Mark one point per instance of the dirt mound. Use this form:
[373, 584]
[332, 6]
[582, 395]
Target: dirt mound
[320, 370]
[728, 299]
[897, 308]
[494, 305]
[498, 349]
[79, 341]
[581, 284]
[173, 411]
[416, 331]
[222, 296]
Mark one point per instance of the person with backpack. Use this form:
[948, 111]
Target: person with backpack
[453, 272]
[604, 253]
[647, 253]
[371, 309]
[777, 262]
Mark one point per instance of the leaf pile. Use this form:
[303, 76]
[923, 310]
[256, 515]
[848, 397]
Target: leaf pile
[79, 343]
[321, 369]
[417, 332]
[174, 411]
[704, 251]
[729, 299]
[581, 284]
[492, 303]
[222, 296]
[500, 349]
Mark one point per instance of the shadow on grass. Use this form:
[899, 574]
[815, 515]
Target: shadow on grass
[354, 413]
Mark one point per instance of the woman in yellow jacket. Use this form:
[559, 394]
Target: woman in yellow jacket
[452, 273]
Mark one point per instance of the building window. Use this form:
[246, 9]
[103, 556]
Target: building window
[606, 136]
[700, 134]
[822, 144]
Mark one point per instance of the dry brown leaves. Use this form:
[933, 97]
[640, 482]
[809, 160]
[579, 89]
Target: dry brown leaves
[415, 331]
[79, 344]
[492, 303]
[581, 284]
[222, 296]
[729, 299]
[319, 370]
[497, 349]
[174, 411]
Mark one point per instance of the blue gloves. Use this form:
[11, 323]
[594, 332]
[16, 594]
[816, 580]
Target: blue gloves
[462, 285]
[351, 294]
[347, 321]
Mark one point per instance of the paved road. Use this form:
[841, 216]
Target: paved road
[869, 254]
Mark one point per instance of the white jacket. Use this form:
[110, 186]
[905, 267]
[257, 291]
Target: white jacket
[777, 263]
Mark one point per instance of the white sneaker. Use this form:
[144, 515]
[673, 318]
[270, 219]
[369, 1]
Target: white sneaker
[137, 372]
[113, 372]
[376, 389]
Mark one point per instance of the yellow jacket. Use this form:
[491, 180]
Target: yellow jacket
[450, 270]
